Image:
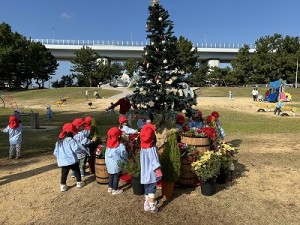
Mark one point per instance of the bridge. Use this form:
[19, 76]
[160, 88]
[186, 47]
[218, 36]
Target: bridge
[213, 53]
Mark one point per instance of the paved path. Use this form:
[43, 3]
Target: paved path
[124, 90]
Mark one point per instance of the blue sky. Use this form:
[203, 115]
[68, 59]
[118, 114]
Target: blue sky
[212, 21]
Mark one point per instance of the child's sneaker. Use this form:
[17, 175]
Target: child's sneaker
[10, 157]
[63, 187]
[109, 190]
[117, 192]
[80, 184]
[147, 207]
[153, 209]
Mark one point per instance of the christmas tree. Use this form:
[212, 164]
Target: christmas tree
[161, 87]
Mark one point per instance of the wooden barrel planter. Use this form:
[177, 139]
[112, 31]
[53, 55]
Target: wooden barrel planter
[187, 175]
[101, 171]
[202, 144]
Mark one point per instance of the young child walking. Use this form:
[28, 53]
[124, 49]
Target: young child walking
[115, 153]
[65, 151]
[150, 166]
[15, 133]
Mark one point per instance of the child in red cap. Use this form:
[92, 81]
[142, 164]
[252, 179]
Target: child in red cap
[82, 138]
[197, 120]
[115, 153]
[123, 121]
[92, 133]
[14, 130]
[150, 166]
[180, 119]
[65, 151]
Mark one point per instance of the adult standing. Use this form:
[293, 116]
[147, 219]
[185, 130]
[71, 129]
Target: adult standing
[254, 94]
[125, 106]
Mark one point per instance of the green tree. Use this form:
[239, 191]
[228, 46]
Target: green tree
[85, 66]
[22, 60]
[187, 54]
[130, 65]
[200, 76]
[161, 69]
[242, 67]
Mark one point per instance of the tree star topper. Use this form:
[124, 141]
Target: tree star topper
[154, 2]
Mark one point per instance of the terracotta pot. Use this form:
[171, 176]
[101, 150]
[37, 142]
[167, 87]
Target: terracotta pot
[167, 189]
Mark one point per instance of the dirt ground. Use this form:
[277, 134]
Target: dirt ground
[265, 188]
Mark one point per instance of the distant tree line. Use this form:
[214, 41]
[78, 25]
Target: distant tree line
[22, 61]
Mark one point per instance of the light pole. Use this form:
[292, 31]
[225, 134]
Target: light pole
[296, 82]
[52, 32]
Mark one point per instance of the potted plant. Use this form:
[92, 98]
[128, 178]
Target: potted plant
[170, 163]
[133, 168]
[226, 152]
[207, 168]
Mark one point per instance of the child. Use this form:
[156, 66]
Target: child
[278, 107]
[216, 115]
[14, 130]
[180, 119]
[150, 166]
[82, 138]
[197, 120]
[65, 151]
[216, 122]
[115, 152]
[91, 131]
[124, 126]
[49, 112]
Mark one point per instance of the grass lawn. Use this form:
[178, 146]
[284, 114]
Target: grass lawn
[235, 123]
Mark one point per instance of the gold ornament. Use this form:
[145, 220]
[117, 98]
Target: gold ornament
[154, 2]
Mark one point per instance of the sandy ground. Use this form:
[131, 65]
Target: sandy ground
[265, 189]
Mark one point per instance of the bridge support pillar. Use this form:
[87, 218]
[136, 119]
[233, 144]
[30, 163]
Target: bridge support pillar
[213, 63]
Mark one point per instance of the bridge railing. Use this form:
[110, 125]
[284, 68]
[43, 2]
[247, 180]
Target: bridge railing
[134, 43]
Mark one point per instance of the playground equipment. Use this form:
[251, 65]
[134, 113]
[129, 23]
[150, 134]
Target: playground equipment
[269, 107]
[276, 92]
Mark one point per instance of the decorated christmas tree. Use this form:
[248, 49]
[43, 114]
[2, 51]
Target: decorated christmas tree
[162, 86]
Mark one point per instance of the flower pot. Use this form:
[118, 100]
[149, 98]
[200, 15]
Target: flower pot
[102, 175]
[187, 175]
[167, 189]
[208, 187]
[138, 188]
[222, 177]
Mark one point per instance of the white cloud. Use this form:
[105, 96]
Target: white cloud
[65, 15]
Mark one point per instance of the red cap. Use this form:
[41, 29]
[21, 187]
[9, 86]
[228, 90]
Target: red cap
[147, 135]
[78, 122]
[68, 128]
[87, 122]
[215, 114]
[180, 118]
[210, 118]
[122, 119]
[13, 122]
[113, 135]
